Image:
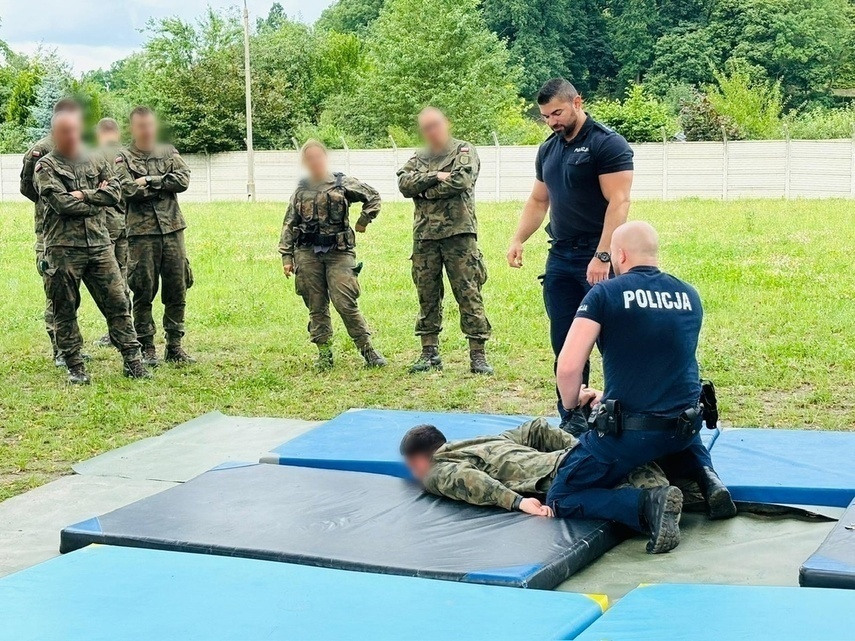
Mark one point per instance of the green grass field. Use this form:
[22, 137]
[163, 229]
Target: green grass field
[779, 337]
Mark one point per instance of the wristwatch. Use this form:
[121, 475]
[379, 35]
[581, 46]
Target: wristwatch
[604, 257]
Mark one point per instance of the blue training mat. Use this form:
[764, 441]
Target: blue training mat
[787, 466]
[731, 613]
[833, 564]
[362, 440]
[108, 593]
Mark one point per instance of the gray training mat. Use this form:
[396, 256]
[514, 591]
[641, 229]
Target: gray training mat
[350, 521]
[195, 447]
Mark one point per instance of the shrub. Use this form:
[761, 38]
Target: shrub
[639, 118]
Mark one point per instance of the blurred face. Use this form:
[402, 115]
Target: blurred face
[419, 465]
[315, 162]
[434, 129]
[108, 137]
[67, 130]
[562, 116]
[144, 131]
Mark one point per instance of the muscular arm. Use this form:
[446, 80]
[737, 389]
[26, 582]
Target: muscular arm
[176, 181]
[540, 435]
[412, 182]
[463, 482]
[577, 349]
[616, 188]
[533, 214]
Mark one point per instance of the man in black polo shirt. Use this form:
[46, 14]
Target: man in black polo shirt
[647, 323]
[584, 176]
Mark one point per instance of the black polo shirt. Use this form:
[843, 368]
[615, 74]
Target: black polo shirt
[571, 171]
[649, 327]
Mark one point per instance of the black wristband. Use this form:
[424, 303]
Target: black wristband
[516, 505]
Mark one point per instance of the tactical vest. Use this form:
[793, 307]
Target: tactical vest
[323, 215]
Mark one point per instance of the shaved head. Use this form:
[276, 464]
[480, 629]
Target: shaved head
[634, 244]
[434, 128]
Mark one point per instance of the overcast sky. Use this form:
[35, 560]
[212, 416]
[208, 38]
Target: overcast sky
[95, 33]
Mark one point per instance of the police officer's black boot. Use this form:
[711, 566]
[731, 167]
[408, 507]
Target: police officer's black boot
[325, 360]
[478, 359]
[660, 512]
[719, 502]
[149, 354]
[77, 375]
[176, 355]
[429, 359]
[135, 369]
[372, 357]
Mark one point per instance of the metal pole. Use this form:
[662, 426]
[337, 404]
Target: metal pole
[788, 161]
[852, 166]
[346, 155]
[725, 164]
[664, 164]
[250, 151]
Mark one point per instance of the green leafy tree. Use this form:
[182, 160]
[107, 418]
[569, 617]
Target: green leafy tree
[640, 117]
[350, 16]
[453, 61]
[753, 104]
[700, 120]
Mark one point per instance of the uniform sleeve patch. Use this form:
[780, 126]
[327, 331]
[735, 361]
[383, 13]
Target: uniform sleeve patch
[464, 150]
[464, 159]
[120, 159]
[36, 153]
[38, 167]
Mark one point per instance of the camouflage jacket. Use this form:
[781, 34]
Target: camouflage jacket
[28, 184]
[500, 470]
[153, 210]
[69, 222]
[324, 209]
[115, 215]
[446, 208]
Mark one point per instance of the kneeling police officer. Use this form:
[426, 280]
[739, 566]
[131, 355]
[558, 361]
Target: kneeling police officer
[647, 324]
[317, 247]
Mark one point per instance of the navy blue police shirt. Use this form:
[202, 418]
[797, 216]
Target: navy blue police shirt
[650, 322]
[571, 171]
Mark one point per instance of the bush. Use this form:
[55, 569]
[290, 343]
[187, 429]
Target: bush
[14, 139]
[639, 118]
[751, 102]
[700, 120]
[822, 123]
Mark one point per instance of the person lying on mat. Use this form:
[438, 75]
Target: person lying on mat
[511, 470]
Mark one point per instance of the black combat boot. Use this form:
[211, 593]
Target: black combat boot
[136, 369]
[149, 355]
[176, 355]
[58, 359]
[428, 360]
[104, 341]
[478, 362]
[719, 502]
[372, 357]
[325, 360]
[660, 512]
[77, 375]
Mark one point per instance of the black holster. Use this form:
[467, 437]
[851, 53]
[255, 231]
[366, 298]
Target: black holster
[687, 422]
[607, 418]
[709, 404]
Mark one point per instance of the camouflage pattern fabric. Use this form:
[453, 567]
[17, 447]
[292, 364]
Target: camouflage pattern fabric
[442, 208]
[152, 261]
[497, 470]
[117, 214]
[321, 277]
[28, 185]
[153, 210]
[463, 262]
[41, 263]
[323, 209]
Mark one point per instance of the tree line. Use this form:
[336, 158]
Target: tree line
[652, 69]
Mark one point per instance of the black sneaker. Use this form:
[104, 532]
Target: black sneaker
[372, 357]
[719, 502]
[77, 375]
[661, 508]
[177, 356]
[429, 359]
[135, 369]
[149, 355]
[478, 363]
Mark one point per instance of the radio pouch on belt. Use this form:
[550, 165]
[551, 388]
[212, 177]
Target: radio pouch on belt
[606, 418]
[709, 404]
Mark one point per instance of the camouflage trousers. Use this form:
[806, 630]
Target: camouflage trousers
[155, 262]
[323, 277]
[96, 267]
[40, 267]
[463, 263]
[120, 249]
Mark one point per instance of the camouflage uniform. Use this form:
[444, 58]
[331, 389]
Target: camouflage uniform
[28, 188]
[445, 236]
[501, 470]
[155, 231]
[78, 248]
[318, 241]
[116, 217]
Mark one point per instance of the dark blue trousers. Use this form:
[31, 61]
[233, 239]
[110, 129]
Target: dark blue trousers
[583, 487]
[564, 286]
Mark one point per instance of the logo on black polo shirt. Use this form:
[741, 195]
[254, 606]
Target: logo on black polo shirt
[644, 298]
[580, 149]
